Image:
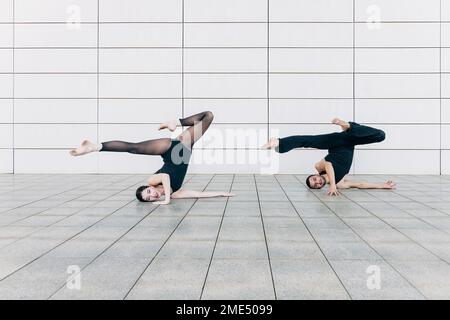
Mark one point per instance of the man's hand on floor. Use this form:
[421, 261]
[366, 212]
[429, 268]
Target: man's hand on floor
[389, 185]
[333, 191]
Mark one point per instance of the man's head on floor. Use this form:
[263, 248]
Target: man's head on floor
[315, 181]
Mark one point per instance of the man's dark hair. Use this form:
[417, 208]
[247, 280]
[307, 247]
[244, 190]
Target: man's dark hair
[308, 183]
[139, 193]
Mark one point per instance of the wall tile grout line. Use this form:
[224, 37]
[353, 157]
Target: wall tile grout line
[13, 90]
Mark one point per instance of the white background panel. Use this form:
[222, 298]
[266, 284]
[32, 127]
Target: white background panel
[226, 35]
[225, 60]
[138, 110]
[446, 110]
[235, 161]
[311, 86]
[397, 111]
[300, 161]
[311, 60]
[311, 35]
[396, 162]
[140, 86]
[6, 85]
[6, 161]
[398, 35]
[140, 60]
[309, 111]
[445, 10]
[446, 33]
[53, 135]
[55, 110]
[445, 162]
[397, 86]
[6, 10]
[233, 136]
[109, 162]
[140, 10]
[230, 110]
[398, 10]
[446, 59]
[55, 60]
[6, 35]
[55, 10]
[287, 130]
[55, 85]
[55, 35]
[446, 85]
[53, 161]
[225, 86]
[6, 111]
[131, 132]
[407, 137]
[397, 60]
[6, 134]
[140, 35]
[225, 10]
[306, 10]
[446, 136]
[6, 60]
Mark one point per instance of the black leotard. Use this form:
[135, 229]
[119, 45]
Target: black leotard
[176, 162]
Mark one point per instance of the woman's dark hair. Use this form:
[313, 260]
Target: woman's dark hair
[139, 193]
[308, 183]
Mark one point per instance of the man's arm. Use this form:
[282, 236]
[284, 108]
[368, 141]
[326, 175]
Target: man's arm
[366, 185]
[189, 194]
[332, 180]
[320, 166]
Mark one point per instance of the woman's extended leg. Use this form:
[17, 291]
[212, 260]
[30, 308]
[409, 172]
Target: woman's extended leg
[198, 124]
[149, 147]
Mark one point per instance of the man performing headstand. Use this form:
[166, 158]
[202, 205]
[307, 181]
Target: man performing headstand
[336, 165]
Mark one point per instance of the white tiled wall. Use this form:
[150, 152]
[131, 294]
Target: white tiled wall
[114, 69]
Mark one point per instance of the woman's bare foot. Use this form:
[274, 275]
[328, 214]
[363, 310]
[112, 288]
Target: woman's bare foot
[170, 125]
[272, 144]
[344, 124]
[85, 148]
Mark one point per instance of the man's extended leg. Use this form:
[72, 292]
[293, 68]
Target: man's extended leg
[323, 142]
[359, 134]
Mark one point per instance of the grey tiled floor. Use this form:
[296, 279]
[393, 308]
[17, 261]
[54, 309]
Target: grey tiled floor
[274, 240]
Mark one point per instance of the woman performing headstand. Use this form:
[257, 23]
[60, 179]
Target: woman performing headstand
[176, 154]
[336, 165]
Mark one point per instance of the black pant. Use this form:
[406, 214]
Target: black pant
[356, 135]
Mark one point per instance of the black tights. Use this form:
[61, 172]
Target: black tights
[198, 123]
[356, 135]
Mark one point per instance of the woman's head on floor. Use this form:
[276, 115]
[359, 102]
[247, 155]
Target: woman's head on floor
[147, 194]
[315, 181]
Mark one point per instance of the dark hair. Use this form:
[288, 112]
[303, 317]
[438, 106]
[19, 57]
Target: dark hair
[308, 183]
[139, 193]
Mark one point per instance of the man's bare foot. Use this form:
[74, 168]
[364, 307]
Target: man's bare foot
[85, 148]
[170, 125]
[272, 144]
[344, 124]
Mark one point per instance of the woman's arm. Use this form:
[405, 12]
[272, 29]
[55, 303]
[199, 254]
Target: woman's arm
[164, 179]
[189, 194]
